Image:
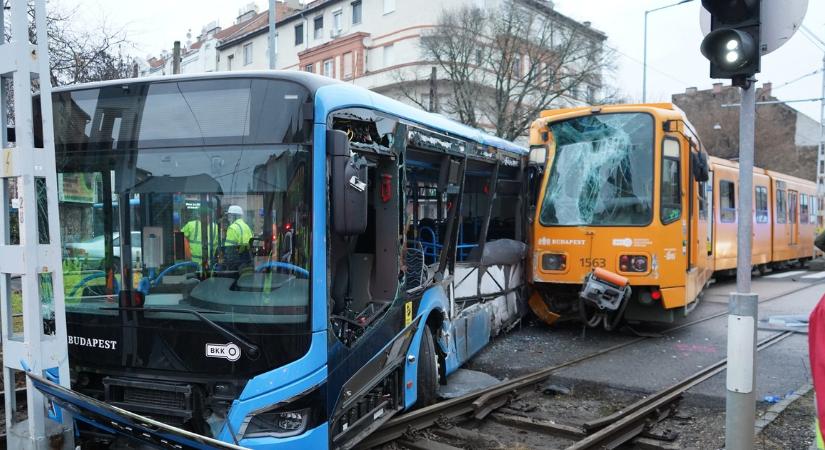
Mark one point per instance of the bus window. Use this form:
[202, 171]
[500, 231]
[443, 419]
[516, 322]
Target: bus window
[727, 202]
[671, 190]
[781, 206]
[761, 204]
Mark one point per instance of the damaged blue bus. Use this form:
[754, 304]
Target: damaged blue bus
[273, 259]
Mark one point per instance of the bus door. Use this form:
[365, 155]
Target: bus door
[793, 217]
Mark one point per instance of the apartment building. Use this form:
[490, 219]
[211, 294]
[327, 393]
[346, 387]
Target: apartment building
[371, 43]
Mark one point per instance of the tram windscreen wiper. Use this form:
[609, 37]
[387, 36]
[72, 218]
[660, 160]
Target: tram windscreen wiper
[252, 350]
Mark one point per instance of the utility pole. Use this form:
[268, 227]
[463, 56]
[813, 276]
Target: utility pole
[273, 54]
[176, 58]
[34, 257]
[433, 90]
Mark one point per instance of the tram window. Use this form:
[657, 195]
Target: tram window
[703, 201]
[803, 208]
[727, 202]
[671, 191]
[781, 206]
[792, 207]
[761, 204]
[814, 208]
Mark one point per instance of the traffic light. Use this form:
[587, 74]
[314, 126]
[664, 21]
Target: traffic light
[732, 46]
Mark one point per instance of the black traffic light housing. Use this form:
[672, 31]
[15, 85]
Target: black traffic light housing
[732, 46]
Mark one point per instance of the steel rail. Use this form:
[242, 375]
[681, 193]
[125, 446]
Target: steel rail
[624, 425]
[482, 402]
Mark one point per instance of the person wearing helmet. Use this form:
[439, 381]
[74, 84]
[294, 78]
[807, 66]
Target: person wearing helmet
[238, 235]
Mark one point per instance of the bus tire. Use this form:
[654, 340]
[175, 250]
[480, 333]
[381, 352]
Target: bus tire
[427, 371]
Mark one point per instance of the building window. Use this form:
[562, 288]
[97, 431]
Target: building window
[318, 24]
[329, 68]
[761, 204]
[347, 65]
[308, 68]
[299, 34]
[727, 202]
[389, 6]
[671, 207]
[247, 54]
[781, 206]
[337, 21]
[356, 12]
[389, 58]
[229, 60]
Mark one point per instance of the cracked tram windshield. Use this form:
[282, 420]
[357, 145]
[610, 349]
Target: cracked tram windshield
[210, 215]
[602, 171]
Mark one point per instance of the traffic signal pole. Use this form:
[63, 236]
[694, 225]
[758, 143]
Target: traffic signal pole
[740, 401]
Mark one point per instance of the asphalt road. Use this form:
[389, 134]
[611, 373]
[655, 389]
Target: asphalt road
[656, 363]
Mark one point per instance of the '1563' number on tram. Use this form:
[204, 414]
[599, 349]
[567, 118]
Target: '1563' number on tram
[593, 262]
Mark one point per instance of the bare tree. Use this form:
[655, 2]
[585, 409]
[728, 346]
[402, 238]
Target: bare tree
[76, 56]
[506, 65]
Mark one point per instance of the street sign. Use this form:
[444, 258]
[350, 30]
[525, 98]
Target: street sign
[780, 20]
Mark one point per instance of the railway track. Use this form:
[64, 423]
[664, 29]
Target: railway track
[605, 432]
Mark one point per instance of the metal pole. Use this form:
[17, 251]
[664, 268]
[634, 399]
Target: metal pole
[644, 64]
[740, 405]
[820, 159]
[273, 54]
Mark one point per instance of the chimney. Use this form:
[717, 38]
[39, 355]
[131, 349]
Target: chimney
[691, 90]
[176, 58]
[586, 23]
[766, 89]
[717, 88]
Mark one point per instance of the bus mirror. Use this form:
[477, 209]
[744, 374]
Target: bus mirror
[699, 166]
[538, 155]
[348, 187]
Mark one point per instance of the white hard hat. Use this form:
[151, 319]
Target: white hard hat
[235, 209]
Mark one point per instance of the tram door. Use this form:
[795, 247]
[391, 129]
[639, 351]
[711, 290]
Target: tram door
[793, 217]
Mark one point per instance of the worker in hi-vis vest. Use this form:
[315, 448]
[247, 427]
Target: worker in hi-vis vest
[193, 232]
[238, 235]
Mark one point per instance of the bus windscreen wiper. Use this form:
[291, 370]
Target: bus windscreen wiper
[252, 350]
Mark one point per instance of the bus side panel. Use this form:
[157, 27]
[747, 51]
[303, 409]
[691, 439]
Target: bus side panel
[434, 301]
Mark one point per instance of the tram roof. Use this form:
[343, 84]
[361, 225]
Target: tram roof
[334, 95]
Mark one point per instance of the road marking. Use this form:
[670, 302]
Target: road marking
[786, 274]
[814, 276]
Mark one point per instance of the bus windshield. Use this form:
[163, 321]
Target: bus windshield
[602, 171]
[189, 195]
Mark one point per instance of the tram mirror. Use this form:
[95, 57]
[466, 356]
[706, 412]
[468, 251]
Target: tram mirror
[699, 166]
[348, 186]
[538, 155]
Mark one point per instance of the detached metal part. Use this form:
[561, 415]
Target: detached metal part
[605, 289]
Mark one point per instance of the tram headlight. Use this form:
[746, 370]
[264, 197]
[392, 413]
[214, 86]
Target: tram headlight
[553, 261]
[633, 263]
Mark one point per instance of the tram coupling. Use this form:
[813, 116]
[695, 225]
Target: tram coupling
[603, 298]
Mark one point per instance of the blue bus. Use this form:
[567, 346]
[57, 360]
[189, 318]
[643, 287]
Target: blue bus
[314, 258]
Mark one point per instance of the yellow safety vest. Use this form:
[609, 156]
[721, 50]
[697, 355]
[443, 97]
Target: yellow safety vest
[192, 231]
[238, 235]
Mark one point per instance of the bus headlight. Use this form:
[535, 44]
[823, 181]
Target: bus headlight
[278, 423]
[288, 418]
[553, 261]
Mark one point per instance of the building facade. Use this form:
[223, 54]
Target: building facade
[786, 140]
[374, 44]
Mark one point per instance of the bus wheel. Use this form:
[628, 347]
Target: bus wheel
[427, 371]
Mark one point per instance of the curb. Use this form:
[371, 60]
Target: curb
[775, 410]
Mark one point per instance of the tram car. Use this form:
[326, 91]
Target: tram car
[632, 218]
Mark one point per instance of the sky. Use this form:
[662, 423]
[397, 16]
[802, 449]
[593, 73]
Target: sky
[674, 35]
